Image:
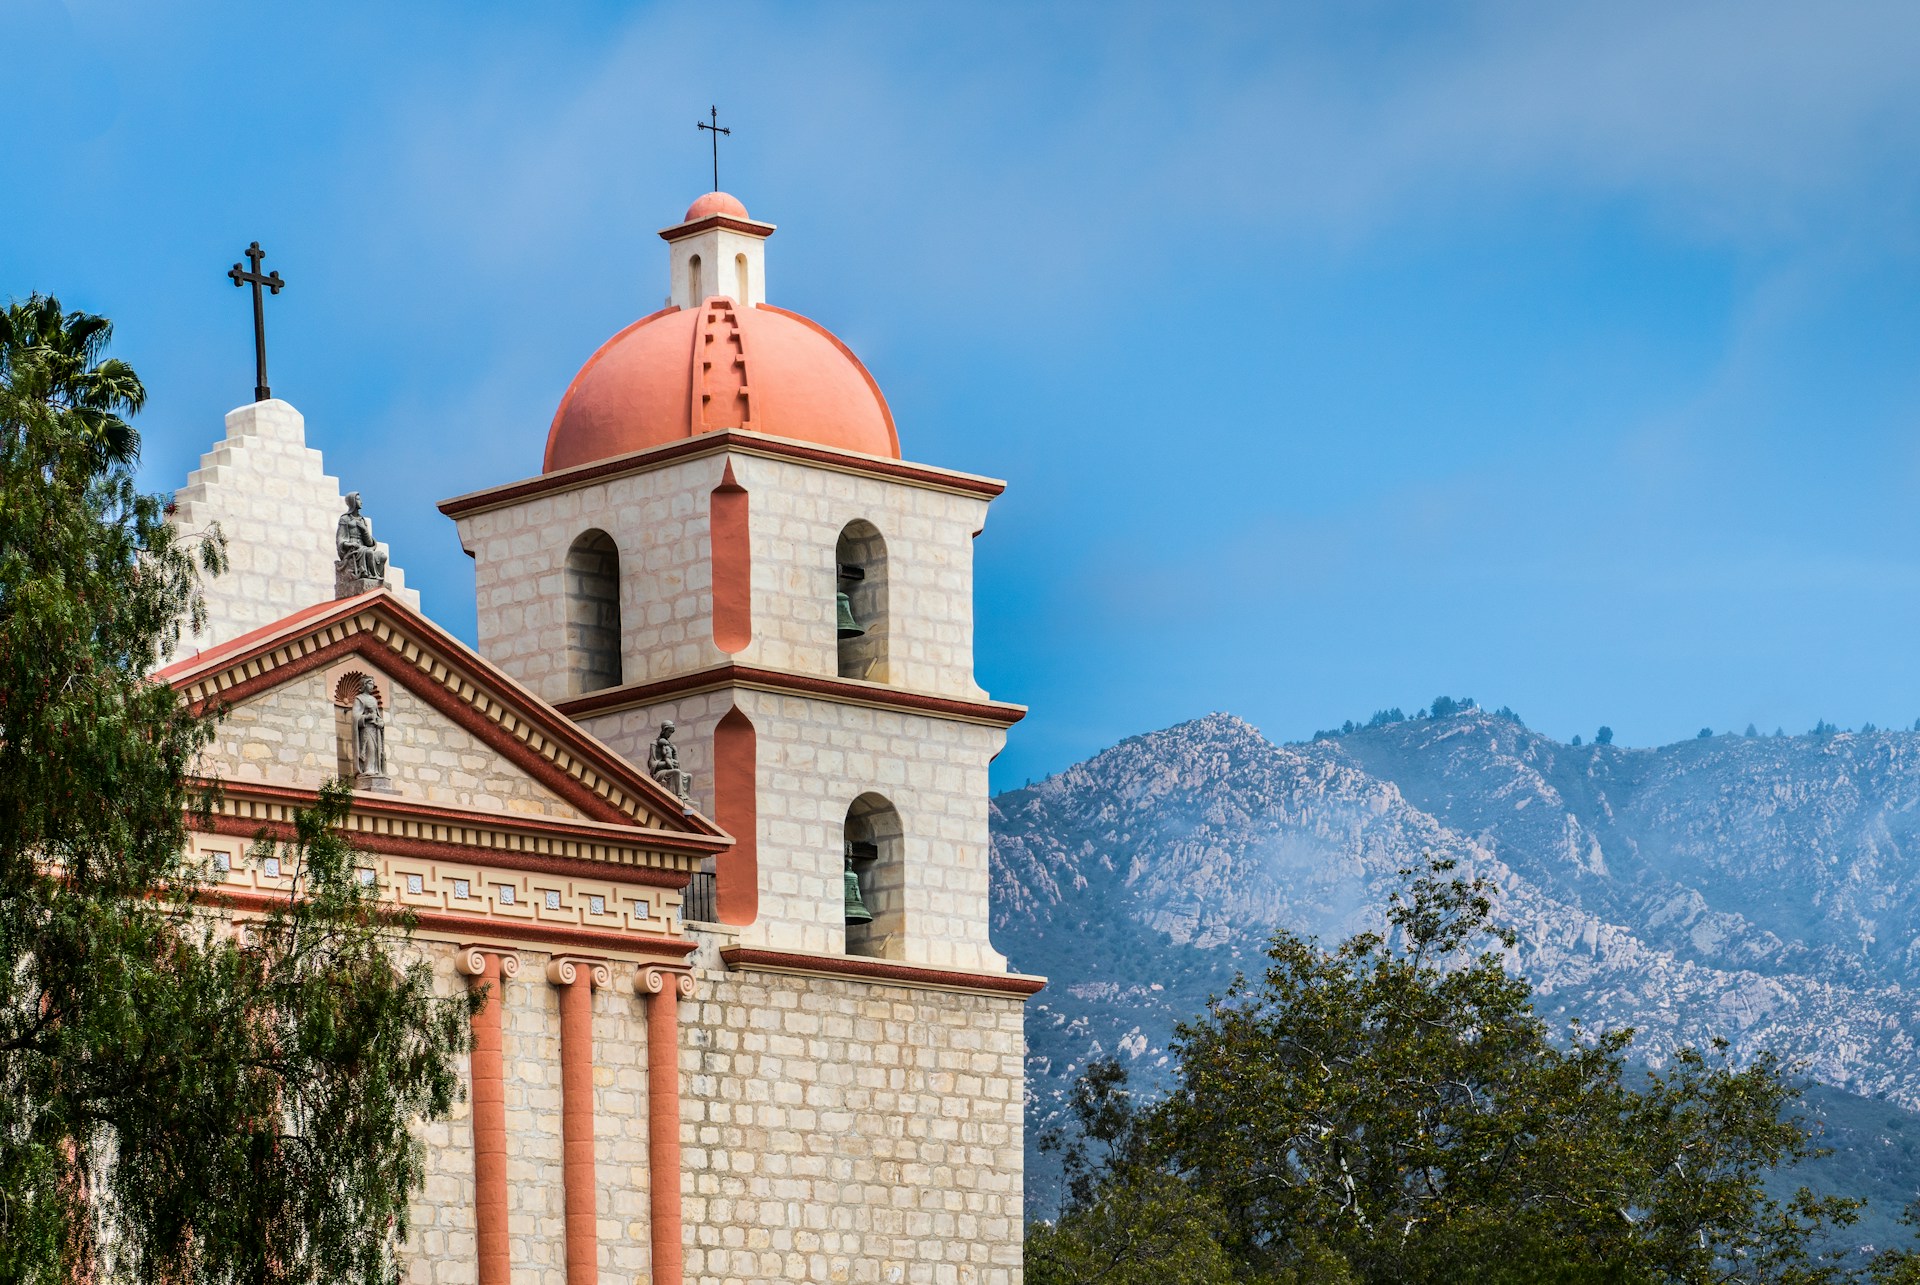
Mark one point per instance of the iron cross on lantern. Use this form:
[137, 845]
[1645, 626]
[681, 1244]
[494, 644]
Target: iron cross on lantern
[273, 283]
[716, 129]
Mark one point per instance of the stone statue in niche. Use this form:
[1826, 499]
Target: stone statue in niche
[663, 762]
[359, 565]
[369, 739]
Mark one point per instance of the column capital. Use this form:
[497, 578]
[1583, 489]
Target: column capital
[565, 970]
[654, 979]
[472, 960]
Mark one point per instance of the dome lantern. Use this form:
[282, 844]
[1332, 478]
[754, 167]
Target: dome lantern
[717, 249]
[719, 356]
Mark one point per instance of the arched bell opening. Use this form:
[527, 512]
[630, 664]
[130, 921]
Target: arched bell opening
[696, 283]
[593, 613]
[860, 606]
[875, 879]
[740, 295]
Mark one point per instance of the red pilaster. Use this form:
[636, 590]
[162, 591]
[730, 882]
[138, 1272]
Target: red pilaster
[575, 980]
[489, 968]
[664, 989]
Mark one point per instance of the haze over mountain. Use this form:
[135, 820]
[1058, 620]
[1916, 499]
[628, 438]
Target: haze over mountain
[1755, 888]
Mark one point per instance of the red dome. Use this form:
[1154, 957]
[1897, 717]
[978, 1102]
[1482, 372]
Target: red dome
[715, 203]
[683, 372]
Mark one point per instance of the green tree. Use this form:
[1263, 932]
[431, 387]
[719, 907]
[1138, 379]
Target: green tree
[181, 1098]
[1604, 736]
[1392, 1110]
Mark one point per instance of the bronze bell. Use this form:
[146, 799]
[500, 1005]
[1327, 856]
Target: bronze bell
[849, 627]
[857, 912]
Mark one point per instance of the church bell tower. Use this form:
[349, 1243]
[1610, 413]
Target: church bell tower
[725, 537]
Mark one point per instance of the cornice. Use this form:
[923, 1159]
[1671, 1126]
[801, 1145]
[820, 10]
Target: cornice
[844, 691]
[724, 439]
[547, 845]
[861, 968]
[746, 227]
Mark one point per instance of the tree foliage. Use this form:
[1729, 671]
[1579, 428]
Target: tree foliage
[1391, 1109]
[185, 1096]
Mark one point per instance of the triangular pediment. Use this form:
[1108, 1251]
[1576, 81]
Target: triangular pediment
[459, 734]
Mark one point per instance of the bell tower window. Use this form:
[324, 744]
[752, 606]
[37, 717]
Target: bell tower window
[593, 612]
[695, 285]
[740, 295]
[875, 879]
[860, 606]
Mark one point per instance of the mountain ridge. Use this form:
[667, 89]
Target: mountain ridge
[1756, 888]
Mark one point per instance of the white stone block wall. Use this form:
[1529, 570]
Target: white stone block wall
[796, 513]
[832, 1130]
[814, 758]
[841, 1130]
[659, 519]
[273, 499]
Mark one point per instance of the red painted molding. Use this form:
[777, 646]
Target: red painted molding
[729, 534]
[736, 793]
[468, 926]
[731, 674]
[860, 968]
[708, 443]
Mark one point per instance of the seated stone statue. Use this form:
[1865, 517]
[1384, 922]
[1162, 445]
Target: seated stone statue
[663, 762]
[360, 565]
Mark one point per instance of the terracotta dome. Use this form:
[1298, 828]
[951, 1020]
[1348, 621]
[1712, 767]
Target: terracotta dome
[686, 371]
[715, 203]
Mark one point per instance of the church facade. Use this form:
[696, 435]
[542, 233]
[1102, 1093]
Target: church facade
[705, 812]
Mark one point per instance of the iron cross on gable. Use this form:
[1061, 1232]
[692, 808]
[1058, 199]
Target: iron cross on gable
[716, 129]
[273, 283]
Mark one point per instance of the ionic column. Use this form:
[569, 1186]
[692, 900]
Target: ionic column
[575, 980]
[664, 988]
[490, 969]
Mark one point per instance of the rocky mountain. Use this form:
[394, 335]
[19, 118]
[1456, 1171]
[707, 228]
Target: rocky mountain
[1756, 888]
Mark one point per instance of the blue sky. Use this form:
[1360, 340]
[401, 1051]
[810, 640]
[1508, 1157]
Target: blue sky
[1338, 356]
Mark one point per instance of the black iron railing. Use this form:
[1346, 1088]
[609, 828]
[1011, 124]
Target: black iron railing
[702, 899]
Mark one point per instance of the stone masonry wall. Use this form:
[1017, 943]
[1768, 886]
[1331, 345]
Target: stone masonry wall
[658, 523]
[832, 1130]
[796, 514]
[815, 757]
[840, 1130]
